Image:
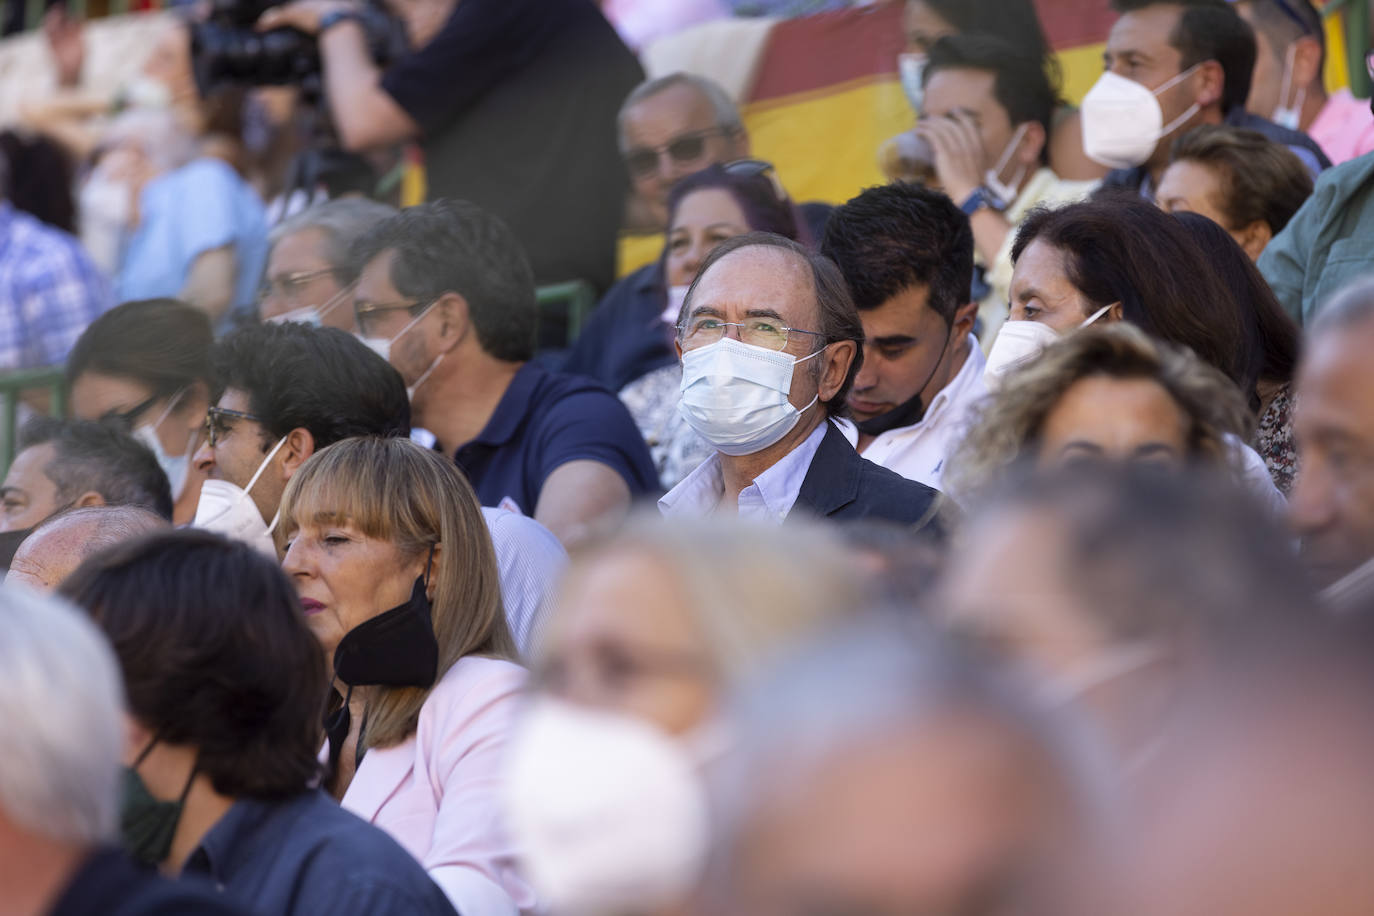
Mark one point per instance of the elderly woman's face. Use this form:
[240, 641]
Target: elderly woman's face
[623, 639]
[1100, 418]
[344, 578]
[703, 220]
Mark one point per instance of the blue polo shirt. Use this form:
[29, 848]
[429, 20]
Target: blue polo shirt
[546, 419]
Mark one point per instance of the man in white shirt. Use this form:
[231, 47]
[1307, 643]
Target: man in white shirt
[906, 253]
[769, 340]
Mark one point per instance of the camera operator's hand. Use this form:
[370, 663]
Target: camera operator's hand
[302, 15]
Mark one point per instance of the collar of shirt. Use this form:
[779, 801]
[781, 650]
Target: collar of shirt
[221, 849]
[769, 498]
[511, 409]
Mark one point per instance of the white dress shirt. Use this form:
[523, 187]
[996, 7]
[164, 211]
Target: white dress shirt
[769, 498]
[529, 559]
[918, 452]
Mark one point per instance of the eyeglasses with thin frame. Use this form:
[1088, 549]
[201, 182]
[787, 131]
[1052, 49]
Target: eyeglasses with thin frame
[215, 427]
[682, 149]
[369, 314]
[769, 333]
[289, 286]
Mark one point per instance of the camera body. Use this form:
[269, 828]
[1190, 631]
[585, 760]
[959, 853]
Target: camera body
[227, 50]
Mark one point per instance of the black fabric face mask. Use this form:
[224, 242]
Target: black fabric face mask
[397, 648]
[9, 543]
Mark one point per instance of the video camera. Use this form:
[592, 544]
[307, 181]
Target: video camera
[227, 50]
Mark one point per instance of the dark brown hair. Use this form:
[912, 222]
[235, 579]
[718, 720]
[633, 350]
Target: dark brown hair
[1261, 181]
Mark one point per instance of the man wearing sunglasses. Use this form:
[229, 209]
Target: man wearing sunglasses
[285, 391]
[1287, 87]
[671, 127]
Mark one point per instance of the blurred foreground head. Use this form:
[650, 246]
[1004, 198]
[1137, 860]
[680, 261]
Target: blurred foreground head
[1260, 801]
[876, 774]
[1103, 582]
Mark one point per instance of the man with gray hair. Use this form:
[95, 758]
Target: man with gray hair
[670, 127]
[61, 701]
[60, 544]
[307, 264]
[876, 771]
[1331, 506]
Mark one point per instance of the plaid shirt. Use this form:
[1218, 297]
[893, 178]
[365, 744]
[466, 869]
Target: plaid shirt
[49, 291]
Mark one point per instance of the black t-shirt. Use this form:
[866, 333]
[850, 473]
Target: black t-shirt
[518, 101]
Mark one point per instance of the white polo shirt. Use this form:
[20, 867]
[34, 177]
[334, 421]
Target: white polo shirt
[918, 452]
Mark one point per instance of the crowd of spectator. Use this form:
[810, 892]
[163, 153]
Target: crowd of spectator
[996, 539]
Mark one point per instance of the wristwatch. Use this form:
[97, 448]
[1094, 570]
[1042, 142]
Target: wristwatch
[980, 198]
[334, 17]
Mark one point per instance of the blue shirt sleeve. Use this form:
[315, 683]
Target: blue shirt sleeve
[593, 425]
[208, 217]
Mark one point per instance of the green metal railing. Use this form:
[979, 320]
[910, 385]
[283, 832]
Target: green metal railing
[573, 300]
[13, 386]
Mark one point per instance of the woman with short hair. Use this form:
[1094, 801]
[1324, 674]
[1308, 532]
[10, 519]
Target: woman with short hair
[397, 577]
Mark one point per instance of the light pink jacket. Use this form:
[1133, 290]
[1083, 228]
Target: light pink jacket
[439, 793]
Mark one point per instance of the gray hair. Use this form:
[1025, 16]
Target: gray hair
[1353, 304]
[158, 133]
[61, 700]
[342, 222]
[727, 112]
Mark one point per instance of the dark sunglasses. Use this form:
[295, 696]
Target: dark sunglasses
[683, 149]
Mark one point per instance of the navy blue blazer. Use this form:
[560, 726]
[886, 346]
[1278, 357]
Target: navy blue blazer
[841, 484]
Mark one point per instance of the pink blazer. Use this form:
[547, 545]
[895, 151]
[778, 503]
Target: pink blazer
[439, 793]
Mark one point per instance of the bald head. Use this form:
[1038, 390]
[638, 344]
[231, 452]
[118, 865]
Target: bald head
[62, 543]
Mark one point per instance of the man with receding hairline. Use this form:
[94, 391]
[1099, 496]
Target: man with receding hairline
[60, 544]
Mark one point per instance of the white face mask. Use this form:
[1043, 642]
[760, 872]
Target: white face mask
[1019, 342]
[735, 395]
[1284, 116]
[676, 296]
[107, 207]
[382, 347]
[911, 68]
[609, 811]
[228, 510]
[314, 315]
[992, 178]
[176, 467]
[1122, 120]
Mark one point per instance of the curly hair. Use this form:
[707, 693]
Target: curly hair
[1007, 427]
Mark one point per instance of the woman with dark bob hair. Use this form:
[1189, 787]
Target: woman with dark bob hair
[224, 685]
[396, 574]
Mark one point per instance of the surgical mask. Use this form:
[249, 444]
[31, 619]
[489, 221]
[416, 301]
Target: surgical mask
[992, 178]
[228, 510]
[735, 395]
[676, 296]
[382, 347]
[1122, 120]
[176, 467]
[146, 824]
[107, 208]
[1284, 116]
[1019, 342]
[397, 648]
[313, 315]
[1099, 670]
[608, 810]
[911, 69]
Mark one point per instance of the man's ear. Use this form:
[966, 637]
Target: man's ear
[838, 359]
[964, 316]
[454, 320]
[1253, 238]
[1211, 81]
[1307, 62]
[1115, 313]
[88, 499]
[300, 445]
[1032, 144]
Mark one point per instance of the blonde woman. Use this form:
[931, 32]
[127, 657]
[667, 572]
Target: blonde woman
[390, 556]
[648, 633]
[1107, 393]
